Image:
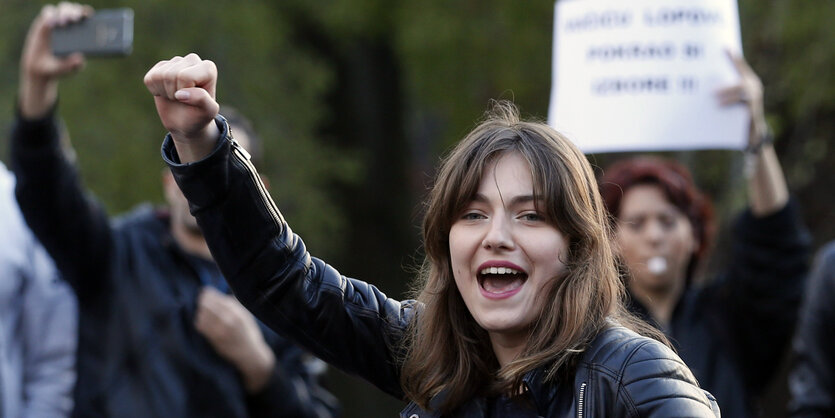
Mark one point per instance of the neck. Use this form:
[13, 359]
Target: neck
[507, 347]
[192, 243]
[660, 302]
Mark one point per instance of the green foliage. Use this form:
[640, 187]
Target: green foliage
[116, 132]
[459, 55]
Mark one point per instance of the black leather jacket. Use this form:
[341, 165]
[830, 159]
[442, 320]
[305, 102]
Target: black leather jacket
[354, 326]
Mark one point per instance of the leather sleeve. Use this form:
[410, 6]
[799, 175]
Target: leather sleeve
[656, 383]
[630, 376]
[346, 322]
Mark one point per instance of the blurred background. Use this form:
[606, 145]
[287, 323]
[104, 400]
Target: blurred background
[356, 101]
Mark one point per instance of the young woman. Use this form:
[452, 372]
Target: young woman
[519, 313]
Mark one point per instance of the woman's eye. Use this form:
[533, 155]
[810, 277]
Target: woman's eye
[469, 216]
[532, 217]
[668, 222]
[634, 225]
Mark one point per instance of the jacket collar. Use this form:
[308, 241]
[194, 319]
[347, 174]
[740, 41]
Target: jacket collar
[541, 395]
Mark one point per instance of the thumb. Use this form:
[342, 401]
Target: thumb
[198, 97]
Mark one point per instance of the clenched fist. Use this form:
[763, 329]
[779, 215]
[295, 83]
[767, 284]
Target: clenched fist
[184, 93]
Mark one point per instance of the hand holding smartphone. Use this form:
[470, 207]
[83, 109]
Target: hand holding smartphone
[107, 33]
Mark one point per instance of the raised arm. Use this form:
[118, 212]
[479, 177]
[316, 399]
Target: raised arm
[48, 188]
[767, 190]
[343, 321]
[767, 268]
[39, 68]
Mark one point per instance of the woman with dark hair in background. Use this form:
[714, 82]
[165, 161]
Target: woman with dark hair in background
[731, 331]
[520, 308]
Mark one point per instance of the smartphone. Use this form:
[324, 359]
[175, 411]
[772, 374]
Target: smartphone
[108, 32]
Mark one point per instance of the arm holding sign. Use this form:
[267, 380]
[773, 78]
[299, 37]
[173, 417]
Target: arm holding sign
[764, 281]
[767, 190]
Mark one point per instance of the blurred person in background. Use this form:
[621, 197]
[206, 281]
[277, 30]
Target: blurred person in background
[812, 376]
[732, 331]
[159, 332]
[38, 320]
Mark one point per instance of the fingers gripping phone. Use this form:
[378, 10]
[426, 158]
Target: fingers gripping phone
[106, 33]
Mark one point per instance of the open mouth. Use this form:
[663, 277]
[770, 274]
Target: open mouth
[501, 280]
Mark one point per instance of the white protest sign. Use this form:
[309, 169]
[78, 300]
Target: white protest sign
[642, 75]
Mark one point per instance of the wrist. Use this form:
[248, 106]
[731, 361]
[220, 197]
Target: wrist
[257, 368]
[761, 138]
[198, 145]
[37, 96]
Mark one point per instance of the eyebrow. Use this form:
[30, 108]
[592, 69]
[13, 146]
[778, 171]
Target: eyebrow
[515, 201]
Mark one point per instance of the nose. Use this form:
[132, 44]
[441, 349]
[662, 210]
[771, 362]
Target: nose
[499, 236]
[654, 232]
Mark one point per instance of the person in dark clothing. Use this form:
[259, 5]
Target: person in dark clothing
[733, 330]
[159, 333]
[520, 312]
[812, 376]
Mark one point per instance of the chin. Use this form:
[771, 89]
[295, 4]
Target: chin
[500, 325]
[656, 284]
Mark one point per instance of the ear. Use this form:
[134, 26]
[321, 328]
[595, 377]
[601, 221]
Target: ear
[265, 180]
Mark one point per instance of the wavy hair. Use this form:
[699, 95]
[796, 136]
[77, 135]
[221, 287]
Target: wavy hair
[447, 352]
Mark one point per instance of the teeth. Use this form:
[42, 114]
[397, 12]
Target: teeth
[499, 270]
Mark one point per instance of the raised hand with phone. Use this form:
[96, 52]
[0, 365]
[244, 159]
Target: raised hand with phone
[40, 69]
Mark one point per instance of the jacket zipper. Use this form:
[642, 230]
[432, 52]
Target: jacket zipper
[244, 158]
[581, 400]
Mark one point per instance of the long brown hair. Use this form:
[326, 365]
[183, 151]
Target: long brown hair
[447, 351]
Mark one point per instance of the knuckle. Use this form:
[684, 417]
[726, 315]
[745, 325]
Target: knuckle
[169, 74]
[181, 77]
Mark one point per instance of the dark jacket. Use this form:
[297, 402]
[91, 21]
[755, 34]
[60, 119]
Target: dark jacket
[139, 353]
[352, 325]
[733, 331]
[812, 377]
